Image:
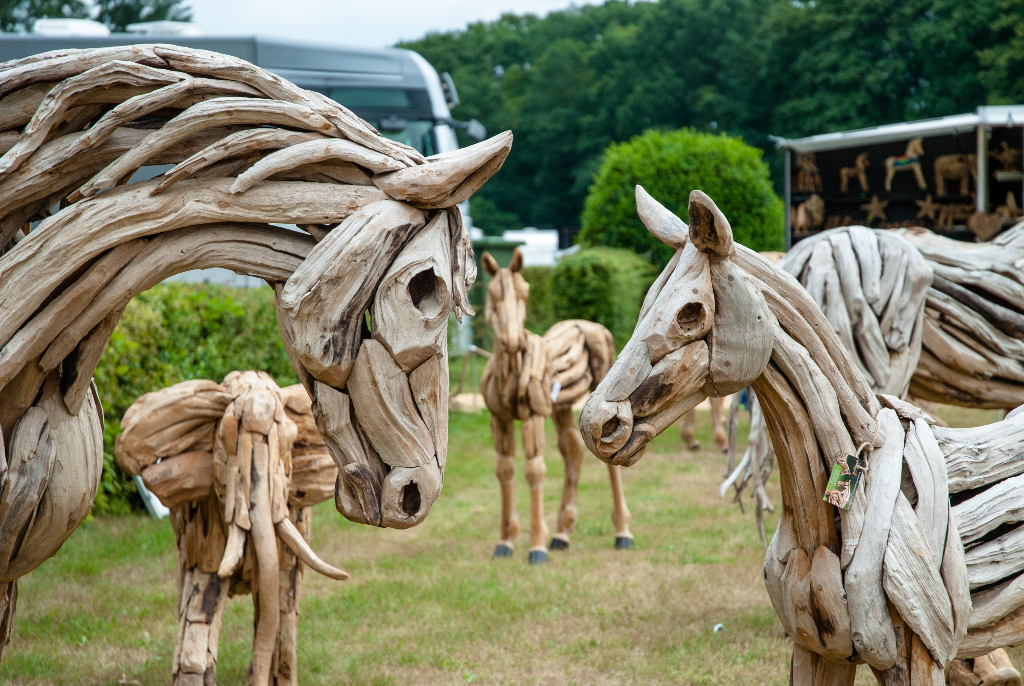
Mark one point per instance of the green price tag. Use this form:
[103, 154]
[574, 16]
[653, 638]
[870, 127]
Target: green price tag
[846, 476]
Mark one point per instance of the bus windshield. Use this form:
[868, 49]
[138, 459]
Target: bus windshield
[401, 114]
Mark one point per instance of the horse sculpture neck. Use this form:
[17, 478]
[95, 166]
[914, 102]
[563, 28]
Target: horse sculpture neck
[816, 404]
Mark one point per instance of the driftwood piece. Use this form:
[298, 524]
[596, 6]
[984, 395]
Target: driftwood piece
[382, 402]
[1000, 504]
[911, 573]
[324, 289]
[872, 630]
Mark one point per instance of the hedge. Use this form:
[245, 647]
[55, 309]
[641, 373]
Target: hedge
[604, 285]
[669, 165]
[176, 332]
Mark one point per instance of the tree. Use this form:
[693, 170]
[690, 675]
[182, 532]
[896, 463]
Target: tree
[669, 166]
[21, 15]
[574, 81]
[117, 14]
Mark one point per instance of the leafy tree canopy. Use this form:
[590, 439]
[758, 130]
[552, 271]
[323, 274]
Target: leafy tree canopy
[670, 165]
[573, 82]
[21, 15]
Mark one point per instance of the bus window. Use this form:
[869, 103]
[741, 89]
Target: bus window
[401, 114]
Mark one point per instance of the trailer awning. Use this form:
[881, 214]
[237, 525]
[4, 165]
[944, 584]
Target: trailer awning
[997, 115]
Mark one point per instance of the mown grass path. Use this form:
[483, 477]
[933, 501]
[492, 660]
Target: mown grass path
[429, 606]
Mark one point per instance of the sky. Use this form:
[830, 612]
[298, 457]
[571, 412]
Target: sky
[370, 23]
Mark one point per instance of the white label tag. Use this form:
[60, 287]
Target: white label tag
[555, 388]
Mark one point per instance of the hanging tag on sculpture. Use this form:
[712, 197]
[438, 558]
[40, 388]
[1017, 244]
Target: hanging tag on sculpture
[846, 476]
[555, 388]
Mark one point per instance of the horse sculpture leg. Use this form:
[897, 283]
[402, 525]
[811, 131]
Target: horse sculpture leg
[620, 513]
[505, 469]
[688, 432]
[718, 422]
[533, 446]
[570, 445]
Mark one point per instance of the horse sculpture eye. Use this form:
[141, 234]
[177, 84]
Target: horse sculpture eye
[690, 316]
[426, 291]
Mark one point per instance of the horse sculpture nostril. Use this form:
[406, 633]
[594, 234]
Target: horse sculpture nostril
[411, 499]
[610, 427]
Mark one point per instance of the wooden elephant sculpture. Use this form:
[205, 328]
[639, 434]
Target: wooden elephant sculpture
[240, 464]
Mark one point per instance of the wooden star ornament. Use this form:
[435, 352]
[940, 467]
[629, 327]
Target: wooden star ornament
[927, 208]
[875, 209]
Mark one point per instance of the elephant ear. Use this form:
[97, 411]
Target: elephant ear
[167, 439]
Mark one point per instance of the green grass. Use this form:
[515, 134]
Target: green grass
[429, 606]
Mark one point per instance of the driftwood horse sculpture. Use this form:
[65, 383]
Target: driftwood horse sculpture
[201, 447]
[891, 584]
[384, 249]
[529, 378]
[920, 316]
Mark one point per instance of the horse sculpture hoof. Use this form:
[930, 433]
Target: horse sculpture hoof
[623, 542]
[558, 544]
[538, 557]
[502, 551]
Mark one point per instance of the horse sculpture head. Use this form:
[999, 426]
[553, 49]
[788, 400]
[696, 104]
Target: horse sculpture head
[363, 292]
[505, 307]
[704, 330]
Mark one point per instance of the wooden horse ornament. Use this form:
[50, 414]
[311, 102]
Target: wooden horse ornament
[240, 464]
[529, 378]
[891, 585]
[909, 160]
[363, 295]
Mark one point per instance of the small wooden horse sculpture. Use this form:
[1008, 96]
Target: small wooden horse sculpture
[909, 160]
[857, 171]
[890, 585]
[528, 378]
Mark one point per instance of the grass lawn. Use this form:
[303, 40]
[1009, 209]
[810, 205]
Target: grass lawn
[429, 606]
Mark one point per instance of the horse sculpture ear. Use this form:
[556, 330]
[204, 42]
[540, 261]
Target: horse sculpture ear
[517, 260]
[449, 178]
[489, 263]
[709, 229]
[663, 224]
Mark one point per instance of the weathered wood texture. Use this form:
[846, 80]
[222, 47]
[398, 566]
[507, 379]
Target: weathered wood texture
[249, 150]
[239, 464]
[901, 544]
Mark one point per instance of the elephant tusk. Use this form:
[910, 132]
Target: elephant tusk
[293, 539]
[233, 552]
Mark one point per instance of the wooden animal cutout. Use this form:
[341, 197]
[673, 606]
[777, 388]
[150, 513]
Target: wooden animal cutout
[240, 464]
[891, 585]
[857, 171]
[1009, 158]
[249, 151]
[808, 215]
[1010, 209]
[529, 378]
[910, 160]
[961, 168]
[808, 178]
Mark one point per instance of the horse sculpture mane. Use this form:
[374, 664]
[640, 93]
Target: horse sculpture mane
[250, 149]
[719, 318]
